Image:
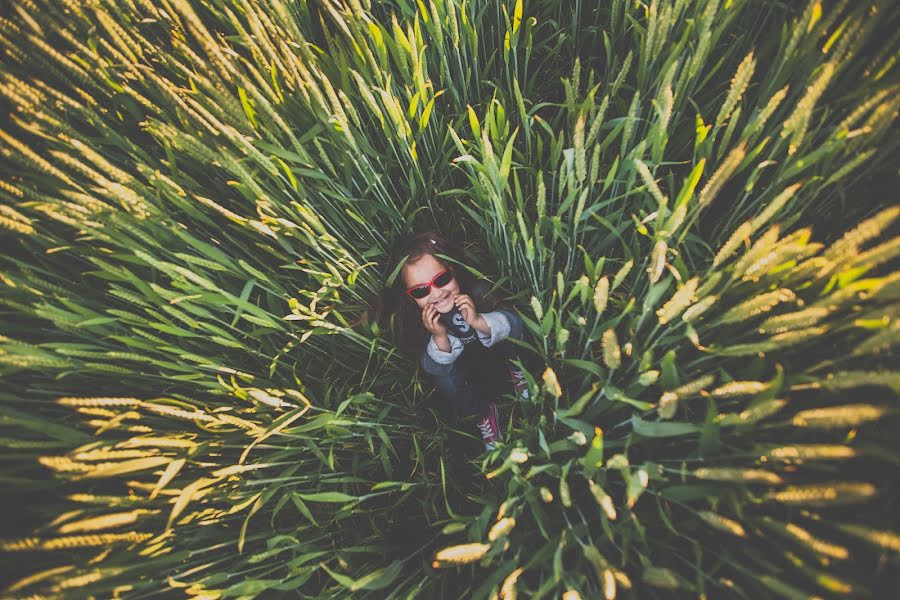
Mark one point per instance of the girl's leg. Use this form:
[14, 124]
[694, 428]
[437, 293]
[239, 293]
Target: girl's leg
[456, 389]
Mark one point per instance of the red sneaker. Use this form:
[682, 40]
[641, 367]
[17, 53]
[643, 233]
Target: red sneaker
[489, 427]
[519, 382]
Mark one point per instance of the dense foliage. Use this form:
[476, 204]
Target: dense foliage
[688, 200]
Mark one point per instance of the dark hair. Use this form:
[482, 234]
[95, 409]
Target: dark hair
[399, 313]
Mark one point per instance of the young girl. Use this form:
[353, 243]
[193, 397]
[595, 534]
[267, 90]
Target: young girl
[456, 330]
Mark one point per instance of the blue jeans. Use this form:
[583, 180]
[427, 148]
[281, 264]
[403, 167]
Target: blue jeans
[469, 385]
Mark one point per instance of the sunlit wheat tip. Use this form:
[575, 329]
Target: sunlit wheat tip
[171, 411]
[757, 305]
[630, 121]
[603, 500]
[781, 254]
[816, 544]
[621, 274]
[798, 122]
[97, 412]
[103, 500]
[578, 438]
[880, 254]
[790, 338]
[648, 377]
[738, 388]
[761, 246]
[622, 579]
[601, 294]
[84, 580]
[680, 300]
[645, 174]
[852, 379]
[597, 561]
[612, 355]
[676, 219]
[737, 475]
[580, 155]
[551, 383]
[833, 417]
[722, 523]
[508, 589]
[824, 494]
[695, 311]
[78, 541]
[869, 229]
[800, 452]
[752, 414]
[609, 584]
[694, 387]
[109, 521]
[536, 307]
[657, 260]
[158, 442]
[459, 555]
[64, 464]
[546, 494]
[13, 224]
[252, 428]
[668, 405]
[720, 177]
[70, 401]
[39, 576]
[880, 537]
[501, 528]
[108, 454]
[518, 456]
[266, 397]
[739, 84]
[773, 207]
[794, 320]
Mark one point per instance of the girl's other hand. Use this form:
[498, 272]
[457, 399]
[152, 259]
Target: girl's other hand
[430, 317]
[467, 307]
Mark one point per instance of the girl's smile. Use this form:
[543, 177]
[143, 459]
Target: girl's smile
[442, 303]
[424, 269]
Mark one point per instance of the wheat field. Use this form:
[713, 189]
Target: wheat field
[690, 202]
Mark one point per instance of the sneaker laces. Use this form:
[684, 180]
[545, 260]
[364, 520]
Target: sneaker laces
[487, 432]
[520, 384]
[490, 430]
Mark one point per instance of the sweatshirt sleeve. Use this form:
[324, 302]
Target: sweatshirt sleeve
[499, 324]
[441, 357]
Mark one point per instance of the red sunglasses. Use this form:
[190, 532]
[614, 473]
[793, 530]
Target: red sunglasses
[423, 289]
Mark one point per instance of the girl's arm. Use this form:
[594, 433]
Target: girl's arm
[442, 342]
[438, 362]
[499, 326]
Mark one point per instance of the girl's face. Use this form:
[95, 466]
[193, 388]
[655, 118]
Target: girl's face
[423, 271]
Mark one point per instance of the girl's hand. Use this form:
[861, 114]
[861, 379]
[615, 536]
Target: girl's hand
[467, 307]
[430, 317]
